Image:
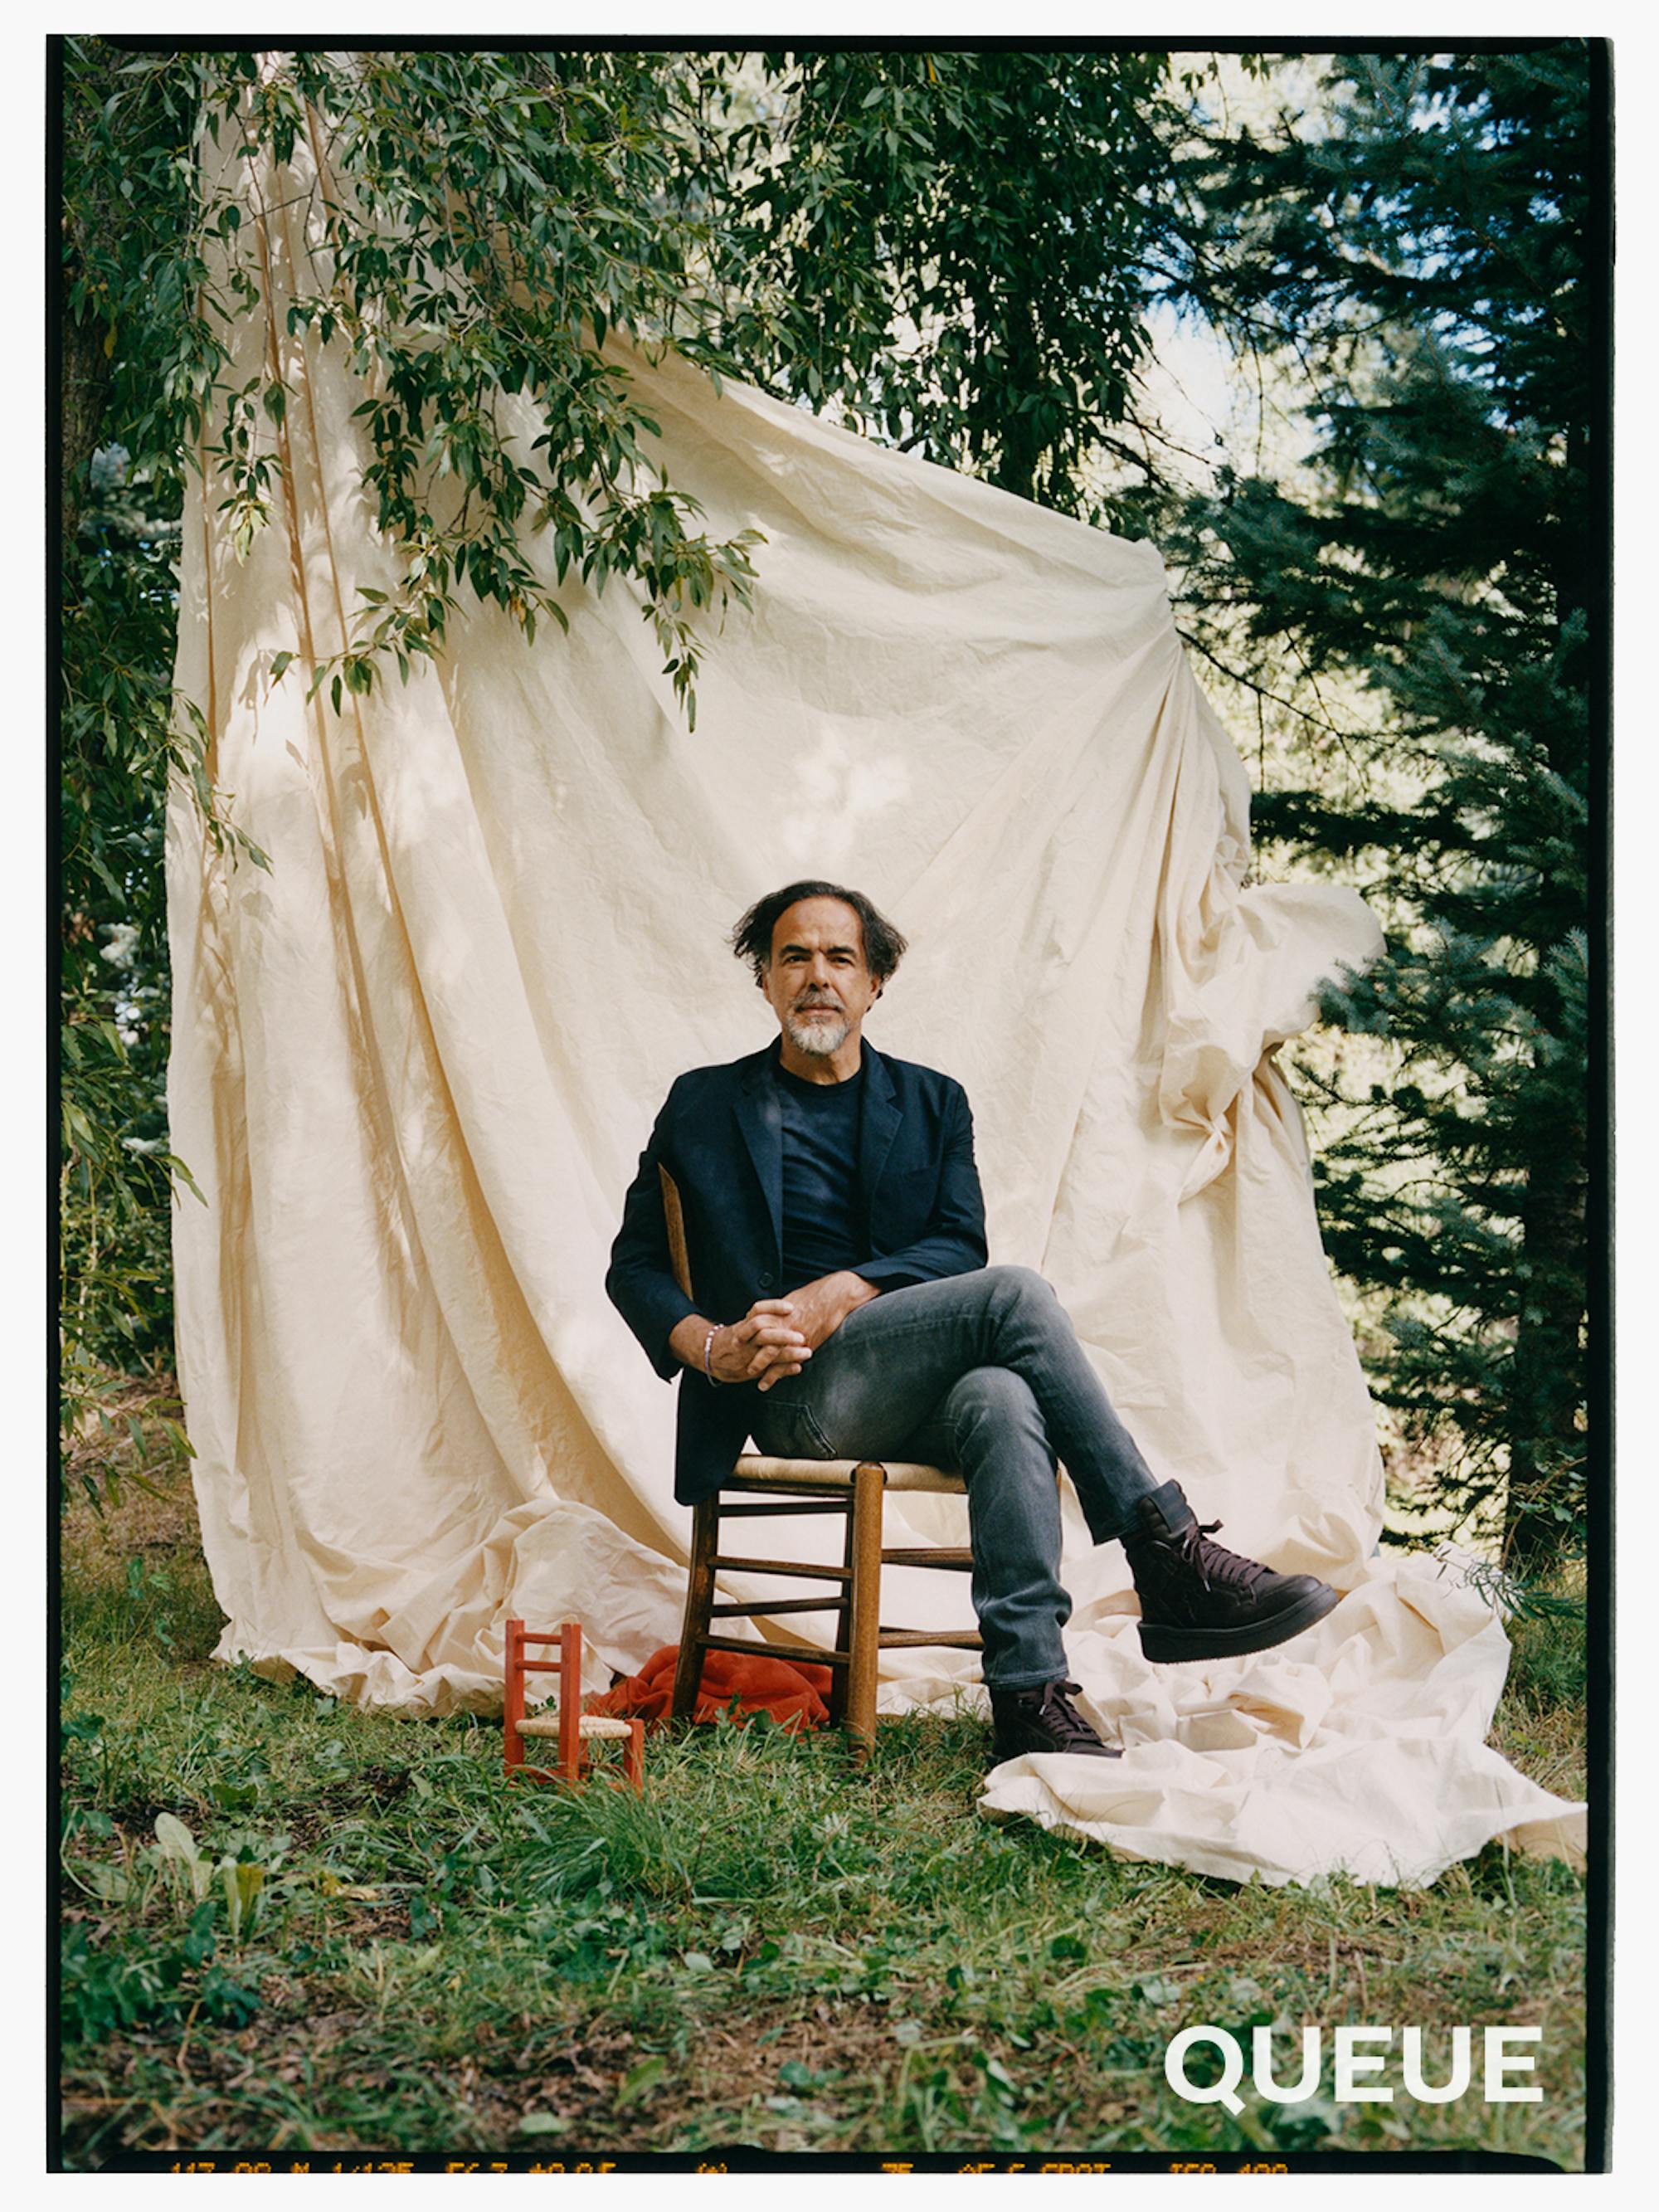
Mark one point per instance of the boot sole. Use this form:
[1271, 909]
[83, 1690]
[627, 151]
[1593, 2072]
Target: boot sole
[1167, 1647]
[1048, 1751]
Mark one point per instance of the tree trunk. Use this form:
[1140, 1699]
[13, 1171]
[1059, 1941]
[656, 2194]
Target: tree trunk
[1547, 1396]
[87, 371]
[1546, 1393]
[88, 365]
[1017, 435]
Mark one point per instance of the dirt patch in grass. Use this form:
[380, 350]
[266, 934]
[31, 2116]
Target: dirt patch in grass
[602, 2088]
[852, 2039]
[137, 1517]
[96, 1541]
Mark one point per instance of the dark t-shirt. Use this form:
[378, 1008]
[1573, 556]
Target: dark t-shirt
[823, 1228]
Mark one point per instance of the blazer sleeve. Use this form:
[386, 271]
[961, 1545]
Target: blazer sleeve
[954, 1242]
[640, 1281]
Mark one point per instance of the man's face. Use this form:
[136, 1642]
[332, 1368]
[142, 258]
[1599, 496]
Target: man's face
[817, 982]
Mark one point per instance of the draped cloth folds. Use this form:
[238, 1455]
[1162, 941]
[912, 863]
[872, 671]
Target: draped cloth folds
[414, 1060]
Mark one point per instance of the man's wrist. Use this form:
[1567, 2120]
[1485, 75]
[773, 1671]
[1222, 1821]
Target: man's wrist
[690, 1340]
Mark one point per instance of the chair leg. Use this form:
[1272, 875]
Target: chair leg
[571, 1702]
[840, 1677]
[699, 1597]
[512, 1702]
[869, 1484]
[633, 1757]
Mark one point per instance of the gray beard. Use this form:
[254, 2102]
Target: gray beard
[819, 1039]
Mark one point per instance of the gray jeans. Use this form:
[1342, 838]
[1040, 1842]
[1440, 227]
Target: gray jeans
[983, 1374]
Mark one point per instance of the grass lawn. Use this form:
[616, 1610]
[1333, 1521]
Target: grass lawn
[774, 1948]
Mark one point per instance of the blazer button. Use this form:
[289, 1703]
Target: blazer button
[766, 1282]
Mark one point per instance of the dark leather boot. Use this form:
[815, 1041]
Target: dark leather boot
[1043, 1719]
[1199, 1601]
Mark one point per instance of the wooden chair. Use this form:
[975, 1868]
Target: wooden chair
[769, 1487]
[571, 1726]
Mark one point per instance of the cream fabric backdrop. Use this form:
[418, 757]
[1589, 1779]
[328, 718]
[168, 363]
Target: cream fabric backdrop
[414, 1063]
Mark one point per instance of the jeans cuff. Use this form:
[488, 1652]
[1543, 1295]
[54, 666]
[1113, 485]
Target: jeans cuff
[1169, 1496]
[1027, 1679]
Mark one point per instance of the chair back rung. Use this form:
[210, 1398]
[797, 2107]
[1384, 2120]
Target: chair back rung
[768, 1606]
[957, 1559]
[806, 1504]
[720, 1564]
[921, 1639]
[796, 1654]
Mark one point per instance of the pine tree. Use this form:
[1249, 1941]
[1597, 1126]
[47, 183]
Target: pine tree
[1427, 259]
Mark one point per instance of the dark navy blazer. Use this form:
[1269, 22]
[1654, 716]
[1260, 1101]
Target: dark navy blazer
[720, 1136]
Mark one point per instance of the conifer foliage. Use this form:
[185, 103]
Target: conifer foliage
[1423, 253]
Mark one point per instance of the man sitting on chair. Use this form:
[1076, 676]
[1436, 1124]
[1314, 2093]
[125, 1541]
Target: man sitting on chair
[833, 1214]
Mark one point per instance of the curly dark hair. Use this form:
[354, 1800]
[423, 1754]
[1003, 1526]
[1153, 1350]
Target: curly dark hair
[751, 940]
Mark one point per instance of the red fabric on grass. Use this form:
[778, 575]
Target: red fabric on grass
[793, 1696]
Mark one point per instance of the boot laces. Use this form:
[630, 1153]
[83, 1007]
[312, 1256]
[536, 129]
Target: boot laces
[1062, 1716]
[1213, 1563]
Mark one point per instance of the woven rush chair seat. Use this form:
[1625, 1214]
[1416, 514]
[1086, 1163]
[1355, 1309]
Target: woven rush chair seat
[837, 1474]
[587, 1724]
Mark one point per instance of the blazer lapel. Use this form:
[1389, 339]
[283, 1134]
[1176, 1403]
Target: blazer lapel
[880, 1125]
[760, 1121]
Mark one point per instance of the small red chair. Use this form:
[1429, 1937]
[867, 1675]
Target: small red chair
[571, 1725]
